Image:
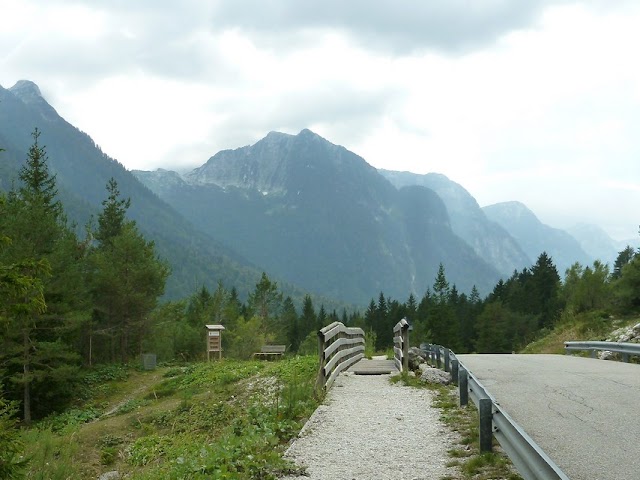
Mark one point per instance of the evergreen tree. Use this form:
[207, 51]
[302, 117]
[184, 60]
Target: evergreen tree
[441, 321]
[36, 346]
[322, 320]
[292, 323]
[39, 186]
[113, 216]
[265, 301]
[627, 287]
[307, 318]
[545, 291]
[624, 258]
[127, 278]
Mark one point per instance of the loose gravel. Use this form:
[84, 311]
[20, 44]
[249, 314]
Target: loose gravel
[369, 428]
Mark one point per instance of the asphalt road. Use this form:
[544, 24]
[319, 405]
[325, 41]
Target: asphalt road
[584, 413]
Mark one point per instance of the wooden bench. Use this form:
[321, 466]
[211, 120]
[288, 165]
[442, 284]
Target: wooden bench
[270, 351]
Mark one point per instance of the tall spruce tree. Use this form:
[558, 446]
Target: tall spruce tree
[36, 349]
[127, 279]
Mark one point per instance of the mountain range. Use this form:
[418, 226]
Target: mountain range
[312, 214]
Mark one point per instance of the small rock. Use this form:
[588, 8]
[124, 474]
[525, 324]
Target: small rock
[113, 475]
[606, 355]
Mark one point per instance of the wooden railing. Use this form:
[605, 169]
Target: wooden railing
[339, 347]
[401, 345]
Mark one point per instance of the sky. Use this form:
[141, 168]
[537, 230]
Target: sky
[534, 101]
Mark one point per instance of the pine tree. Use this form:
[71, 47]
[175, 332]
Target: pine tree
[113, 216]
[39, 186]
[265, 301]
[292, 324]
[36, 348]
[307, 318]
[545, 291]
[624, 258]
[127, 278]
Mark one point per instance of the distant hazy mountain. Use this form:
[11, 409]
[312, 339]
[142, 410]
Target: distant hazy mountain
[321, 217]
[487, 238]
[83, 170]
[596, 243]
[536, 237]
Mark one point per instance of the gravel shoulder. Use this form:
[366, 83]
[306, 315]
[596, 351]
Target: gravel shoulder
[369, 428]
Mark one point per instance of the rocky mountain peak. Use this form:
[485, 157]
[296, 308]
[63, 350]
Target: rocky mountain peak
[516, 211]
[29, 94]
[26, 90]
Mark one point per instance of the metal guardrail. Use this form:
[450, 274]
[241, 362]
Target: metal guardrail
[626, 349]
[528, 458]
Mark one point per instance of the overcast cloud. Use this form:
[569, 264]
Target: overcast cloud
[536, 101]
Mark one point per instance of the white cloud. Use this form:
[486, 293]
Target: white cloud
[534, 101]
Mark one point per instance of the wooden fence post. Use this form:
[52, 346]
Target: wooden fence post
[405, 347]
[321, 380]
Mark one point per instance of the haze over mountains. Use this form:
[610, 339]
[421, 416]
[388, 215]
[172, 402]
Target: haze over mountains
[306, 211]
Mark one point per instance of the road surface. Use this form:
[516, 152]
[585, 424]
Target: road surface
[583, 412]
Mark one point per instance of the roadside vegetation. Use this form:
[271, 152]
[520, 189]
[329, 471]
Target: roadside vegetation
[220, 420]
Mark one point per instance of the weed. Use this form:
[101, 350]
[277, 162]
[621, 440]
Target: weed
[217, 420]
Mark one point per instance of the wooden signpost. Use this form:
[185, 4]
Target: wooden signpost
[214, 340]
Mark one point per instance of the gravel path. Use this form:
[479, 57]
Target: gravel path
[369, 428]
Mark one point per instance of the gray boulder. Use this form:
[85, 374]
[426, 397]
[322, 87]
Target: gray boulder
[435, 375]
[416, 358]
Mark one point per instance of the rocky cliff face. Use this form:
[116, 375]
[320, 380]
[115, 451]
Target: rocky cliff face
[536, 237]
[488, 239]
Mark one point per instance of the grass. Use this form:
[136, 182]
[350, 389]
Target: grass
[219, 420]
[575, 327]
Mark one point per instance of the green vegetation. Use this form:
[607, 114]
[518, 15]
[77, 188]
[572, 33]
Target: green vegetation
[227, 419]
[76, 310]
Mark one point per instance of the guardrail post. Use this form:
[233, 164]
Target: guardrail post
[485, 407]
[438, 361]
[463, 384]
[625, 357]
[592, 354]
[455, 365]
[447, 360]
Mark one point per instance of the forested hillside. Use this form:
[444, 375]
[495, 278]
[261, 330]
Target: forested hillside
[321, 217]
[82, 170]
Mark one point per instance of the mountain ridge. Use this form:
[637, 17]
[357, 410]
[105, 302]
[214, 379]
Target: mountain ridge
[314, 204]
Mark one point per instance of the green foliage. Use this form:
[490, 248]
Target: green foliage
[40, 274]
[228, 419]
[12, 460]
[246, 339]
[627, 287]
[70, 419]
[369, 343]
[309, 345]
[127, 279]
